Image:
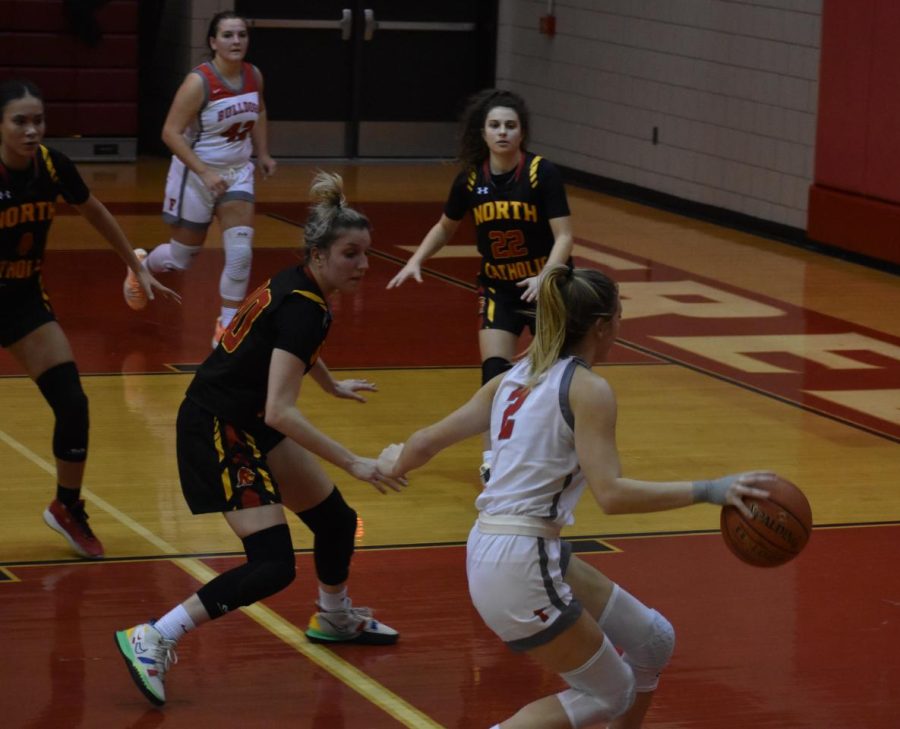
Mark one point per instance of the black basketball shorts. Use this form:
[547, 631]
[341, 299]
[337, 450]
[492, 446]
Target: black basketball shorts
[24, 306]
[223, 467]
[503, 308]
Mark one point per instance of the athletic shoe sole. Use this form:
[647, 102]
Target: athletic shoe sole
[364, 638]
[124, 646]
[51, 522]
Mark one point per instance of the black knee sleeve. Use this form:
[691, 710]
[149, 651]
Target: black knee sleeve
[270, 567]
[61, 388]
[492, 367]
[333, 523]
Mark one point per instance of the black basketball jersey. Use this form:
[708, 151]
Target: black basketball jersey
[512, 214]
[27, 207]
[287, 312]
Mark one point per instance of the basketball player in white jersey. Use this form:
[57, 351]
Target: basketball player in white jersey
[552, 426]
[216, 122]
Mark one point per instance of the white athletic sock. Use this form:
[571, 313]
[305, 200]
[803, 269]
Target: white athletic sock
[330, 601]
[175, 623]
[226, 315]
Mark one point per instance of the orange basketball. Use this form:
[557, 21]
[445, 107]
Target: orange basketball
[780, 527]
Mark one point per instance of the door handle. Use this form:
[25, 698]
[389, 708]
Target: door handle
[370, 26]
[345, 24]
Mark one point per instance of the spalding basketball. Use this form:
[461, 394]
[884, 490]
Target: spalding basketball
[780, 527]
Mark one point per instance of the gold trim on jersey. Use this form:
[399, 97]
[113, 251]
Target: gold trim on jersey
[45, 153]
[312, 297]
[533, 171]
[471, 179]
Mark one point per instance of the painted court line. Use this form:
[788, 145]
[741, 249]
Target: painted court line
[284, 630]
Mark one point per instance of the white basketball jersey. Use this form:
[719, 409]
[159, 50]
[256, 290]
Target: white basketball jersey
[220, 135]
[534, 467]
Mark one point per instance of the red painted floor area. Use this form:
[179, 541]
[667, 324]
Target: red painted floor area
[809, 645]
[373, 328]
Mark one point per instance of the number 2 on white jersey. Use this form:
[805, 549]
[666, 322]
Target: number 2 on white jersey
[516, 398]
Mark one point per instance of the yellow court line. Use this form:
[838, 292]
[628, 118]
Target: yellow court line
[283, 629]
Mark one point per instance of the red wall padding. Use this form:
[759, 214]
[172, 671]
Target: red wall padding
[855, 201]
[88, 90]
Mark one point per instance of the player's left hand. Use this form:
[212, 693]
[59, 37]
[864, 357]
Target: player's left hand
[266, 166]
[531, 288]
[349, 389]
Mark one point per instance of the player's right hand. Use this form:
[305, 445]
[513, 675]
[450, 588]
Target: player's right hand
[214, 182]
[411, 269]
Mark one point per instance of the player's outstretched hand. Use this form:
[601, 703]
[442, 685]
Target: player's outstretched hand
[413, 270]
[366, 469]
[350, 389]
[531, 288]
[149, 284]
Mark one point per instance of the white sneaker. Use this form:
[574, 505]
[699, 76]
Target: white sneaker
[349, 625]
[135, 295]
[148, 656]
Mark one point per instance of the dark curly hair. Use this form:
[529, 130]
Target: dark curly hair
[472, 148]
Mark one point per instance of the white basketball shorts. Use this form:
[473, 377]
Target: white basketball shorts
[517, 584]
[190, 203]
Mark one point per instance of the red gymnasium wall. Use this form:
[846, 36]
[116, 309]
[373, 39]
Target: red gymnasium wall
[86, 64]
[854, 202]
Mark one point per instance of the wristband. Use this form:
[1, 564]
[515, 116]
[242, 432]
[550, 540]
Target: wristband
[713, 491]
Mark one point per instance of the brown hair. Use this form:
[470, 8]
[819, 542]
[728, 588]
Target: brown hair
[329, 215]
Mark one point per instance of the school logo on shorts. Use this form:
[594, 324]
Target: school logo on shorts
[245, 476]
[542, 615]
[171, 203]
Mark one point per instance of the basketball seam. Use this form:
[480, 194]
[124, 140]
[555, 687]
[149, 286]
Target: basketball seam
[750, 526]
[799, 521]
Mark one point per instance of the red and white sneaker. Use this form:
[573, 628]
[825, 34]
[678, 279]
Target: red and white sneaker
[218, 333]
[135, 296]
[72, 523]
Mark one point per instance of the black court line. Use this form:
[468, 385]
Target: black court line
[586, 539]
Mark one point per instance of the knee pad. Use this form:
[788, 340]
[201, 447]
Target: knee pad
[602, 689]
[171, 256]
[238, 245]
[645, 636]
[333, 523]
[492, 367]
[61, 388]
[270, 567]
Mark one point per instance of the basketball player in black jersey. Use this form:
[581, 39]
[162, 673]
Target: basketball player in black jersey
[32, 177]
[521, 216]
[245, 450]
